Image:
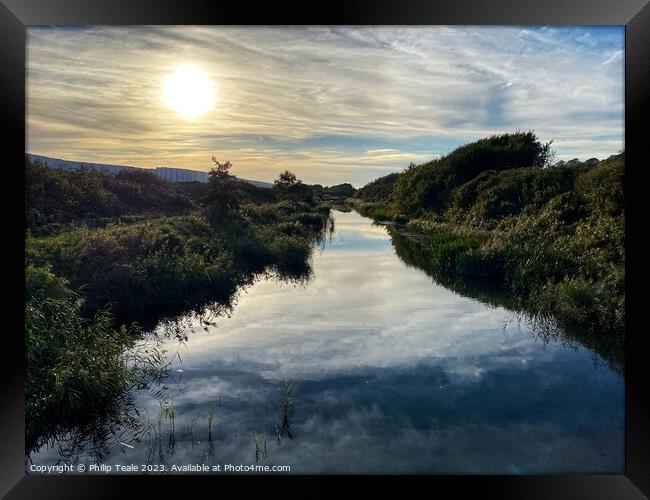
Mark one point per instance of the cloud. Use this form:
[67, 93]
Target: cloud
[381, 151]
[321, 100]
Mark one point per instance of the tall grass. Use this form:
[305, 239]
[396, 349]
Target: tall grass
[77, 368]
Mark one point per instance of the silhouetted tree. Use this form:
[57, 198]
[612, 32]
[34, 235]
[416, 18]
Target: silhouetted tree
[288, 187]
[222, 194]
[285, 181]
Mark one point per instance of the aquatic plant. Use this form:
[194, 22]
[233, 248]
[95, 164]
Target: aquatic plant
[283, 428]
[260, 445]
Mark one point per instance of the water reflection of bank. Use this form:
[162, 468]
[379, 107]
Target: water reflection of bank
[413, 251]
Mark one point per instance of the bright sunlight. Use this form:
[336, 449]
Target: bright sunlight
[189, 91]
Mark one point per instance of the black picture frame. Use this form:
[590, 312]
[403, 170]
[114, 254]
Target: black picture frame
[15, 15]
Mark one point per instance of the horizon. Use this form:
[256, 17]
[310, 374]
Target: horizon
[333, 105]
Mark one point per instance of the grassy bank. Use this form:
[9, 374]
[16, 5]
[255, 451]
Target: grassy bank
[81, 371]
[180, 260]
[102, 250]
[498, 212]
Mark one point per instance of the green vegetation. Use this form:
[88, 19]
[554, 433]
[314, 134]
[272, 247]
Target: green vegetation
[288, 187]
[379, 190]
[494, 219]
[283, 428]
[198, 191]
[79, 371]
[55, 199]
[371, 199]
[141, 259]
[221, 199]
[102, 249]
[337, 191]
[497, 212]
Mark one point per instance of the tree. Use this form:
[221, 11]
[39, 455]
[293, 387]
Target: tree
[546, 155]
[222, 194]
[285, 181]
[288, 187]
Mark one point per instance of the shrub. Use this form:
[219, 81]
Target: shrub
[64, 197]
[429, 186]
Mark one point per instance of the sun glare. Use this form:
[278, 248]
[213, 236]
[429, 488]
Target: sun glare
[189, 91]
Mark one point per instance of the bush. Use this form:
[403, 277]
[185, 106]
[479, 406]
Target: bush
[378, 190]
[429, 186]
[64, 197]
[177, 260]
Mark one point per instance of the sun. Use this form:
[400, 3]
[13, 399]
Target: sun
[189, 91]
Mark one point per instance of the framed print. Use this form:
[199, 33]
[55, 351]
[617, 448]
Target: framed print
[361, 240]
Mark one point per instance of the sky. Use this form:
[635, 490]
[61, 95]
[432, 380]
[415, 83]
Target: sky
[332, 104]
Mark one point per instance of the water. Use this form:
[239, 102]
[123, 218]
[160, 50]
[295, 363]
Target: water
[393, 374]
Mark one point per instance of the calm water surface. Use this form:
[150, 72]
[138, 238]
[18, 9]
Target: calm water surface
[391, 373]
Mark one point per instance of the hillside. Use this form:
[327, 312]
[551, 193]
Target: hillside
[59, 197]
[172, 174]
[378, 190]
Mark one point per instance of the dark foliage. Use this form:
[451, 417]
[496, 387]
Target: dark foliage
[56, 198]
[222, 196]
[340, 190]
[378, 190]
[246, 192]
[288, 187]
[430, 186]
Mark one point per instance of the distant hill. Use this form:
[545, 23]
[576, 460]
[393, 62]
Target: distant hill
[66, 195]
[172, 174]
[60, 196]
